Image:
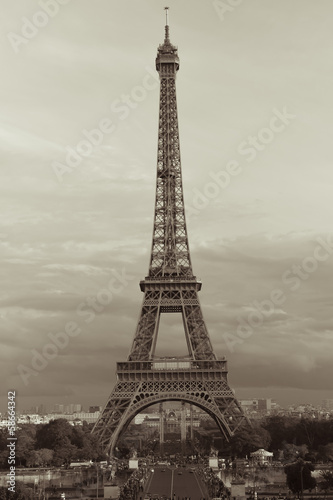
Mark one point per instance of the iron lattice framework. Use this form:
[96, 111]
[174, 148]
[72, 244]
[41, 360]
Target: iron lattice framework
[170, 287]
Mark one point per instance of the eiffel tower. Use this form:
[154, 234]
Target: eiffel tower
[170, 287]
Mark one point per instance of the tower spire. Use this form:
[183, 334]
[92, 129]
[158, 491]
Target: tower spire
[166, 39]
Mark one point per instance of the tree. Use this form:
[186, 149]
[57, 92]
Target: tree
[25, 443]
[22, 492]
[326, 452]
[65, 453]
[293, 452]
[46, 456]
[3, 447]
[55, 434]
[40, 458]
[327, 476]
[281, 429]
[67, 443]
[299, 476]
[248, 439]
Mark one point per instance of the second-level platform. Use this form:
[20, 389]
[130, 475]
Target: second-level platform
[172, 369]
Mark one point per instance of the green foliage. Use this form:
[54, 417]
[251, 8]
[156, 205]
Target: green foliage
[308, 432]
[3, 447]
[57, 433]
[25, 442]
[40, 458]
[64, 453]
[55, 443]
[3, 438]
[58, 442]
[288, 438]
[22, 492]
[86, 443]
[247, 440]
[327, 483]
[299, 476]
[281, 429]
[292, 452]
[325, 453]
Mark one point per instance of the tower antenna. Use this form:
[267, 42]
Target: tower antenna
[166, 16]
[166, 24]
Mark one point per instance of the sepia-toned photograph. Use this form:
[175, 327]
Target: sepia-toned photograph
[166, 244]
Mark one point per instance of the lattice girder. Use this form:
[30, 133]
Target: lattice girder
[170, 287]
[215, 397]
[170, 251]
[171, 298]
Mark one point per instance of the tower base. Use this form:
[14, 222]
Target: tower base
[142, 384]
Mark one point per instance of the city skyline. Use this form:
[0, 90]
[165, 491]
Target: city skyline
[80, 100]
[253, 406]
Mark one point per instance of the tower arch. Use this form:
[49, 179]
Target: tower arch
[196, 400]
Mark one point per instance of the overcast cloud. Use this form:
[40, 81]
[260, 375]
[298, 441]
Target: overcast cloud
[65, 235]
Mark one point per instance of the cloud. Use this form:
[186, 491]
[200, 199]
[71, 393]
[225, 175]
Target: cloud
[60, 242]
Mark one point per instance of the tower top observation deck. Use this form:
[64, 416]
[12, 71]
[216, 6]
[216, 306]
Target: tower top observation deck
[166, 52]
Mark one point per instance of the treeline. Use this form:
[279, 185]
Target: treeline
[287, 437]
[59, 443]
[53, 444]
[309, 432]
[22, 492]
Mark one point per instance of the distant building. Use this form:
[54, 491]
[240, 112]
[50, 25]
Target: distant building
[141, 417]
[93, 409]
[172, 419]
[81, 416]
[261, 406]
[264, 404]
[34, 418]
[248, 405]
[327, 404]
[58, 408]
[70, 408]
[36, 410]
[42, 410]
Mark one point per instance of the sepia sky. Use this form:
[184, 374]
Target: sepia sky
[255, 104]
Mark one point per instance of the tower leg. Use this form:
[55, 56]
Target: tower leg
[191, 423]
[183, 427]
[161, 430]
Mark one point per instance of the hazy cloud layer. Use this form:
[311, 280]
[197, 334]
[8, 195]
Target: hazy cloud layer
[265, 229]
